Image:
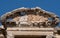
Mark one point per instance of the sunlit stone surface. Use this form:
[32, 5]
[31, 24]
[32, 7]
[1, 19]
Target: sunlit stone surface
[29, 23]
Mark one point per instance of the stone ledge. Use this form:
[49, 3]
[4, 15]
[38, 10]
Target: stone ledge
[41, 29]
[30, 33]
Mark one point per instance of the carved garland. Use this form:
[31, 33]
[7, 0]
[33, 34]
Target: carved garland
[36, 11]
[55, 19]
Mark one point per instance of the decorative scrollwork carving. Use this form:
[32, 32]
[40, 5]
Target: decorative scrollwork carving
[54, 21]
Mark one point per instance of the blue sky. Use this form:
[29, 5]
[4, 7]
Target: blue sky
[49, 5]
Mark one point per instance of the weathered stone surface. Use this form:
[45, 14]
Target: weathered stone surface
[34, 19]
